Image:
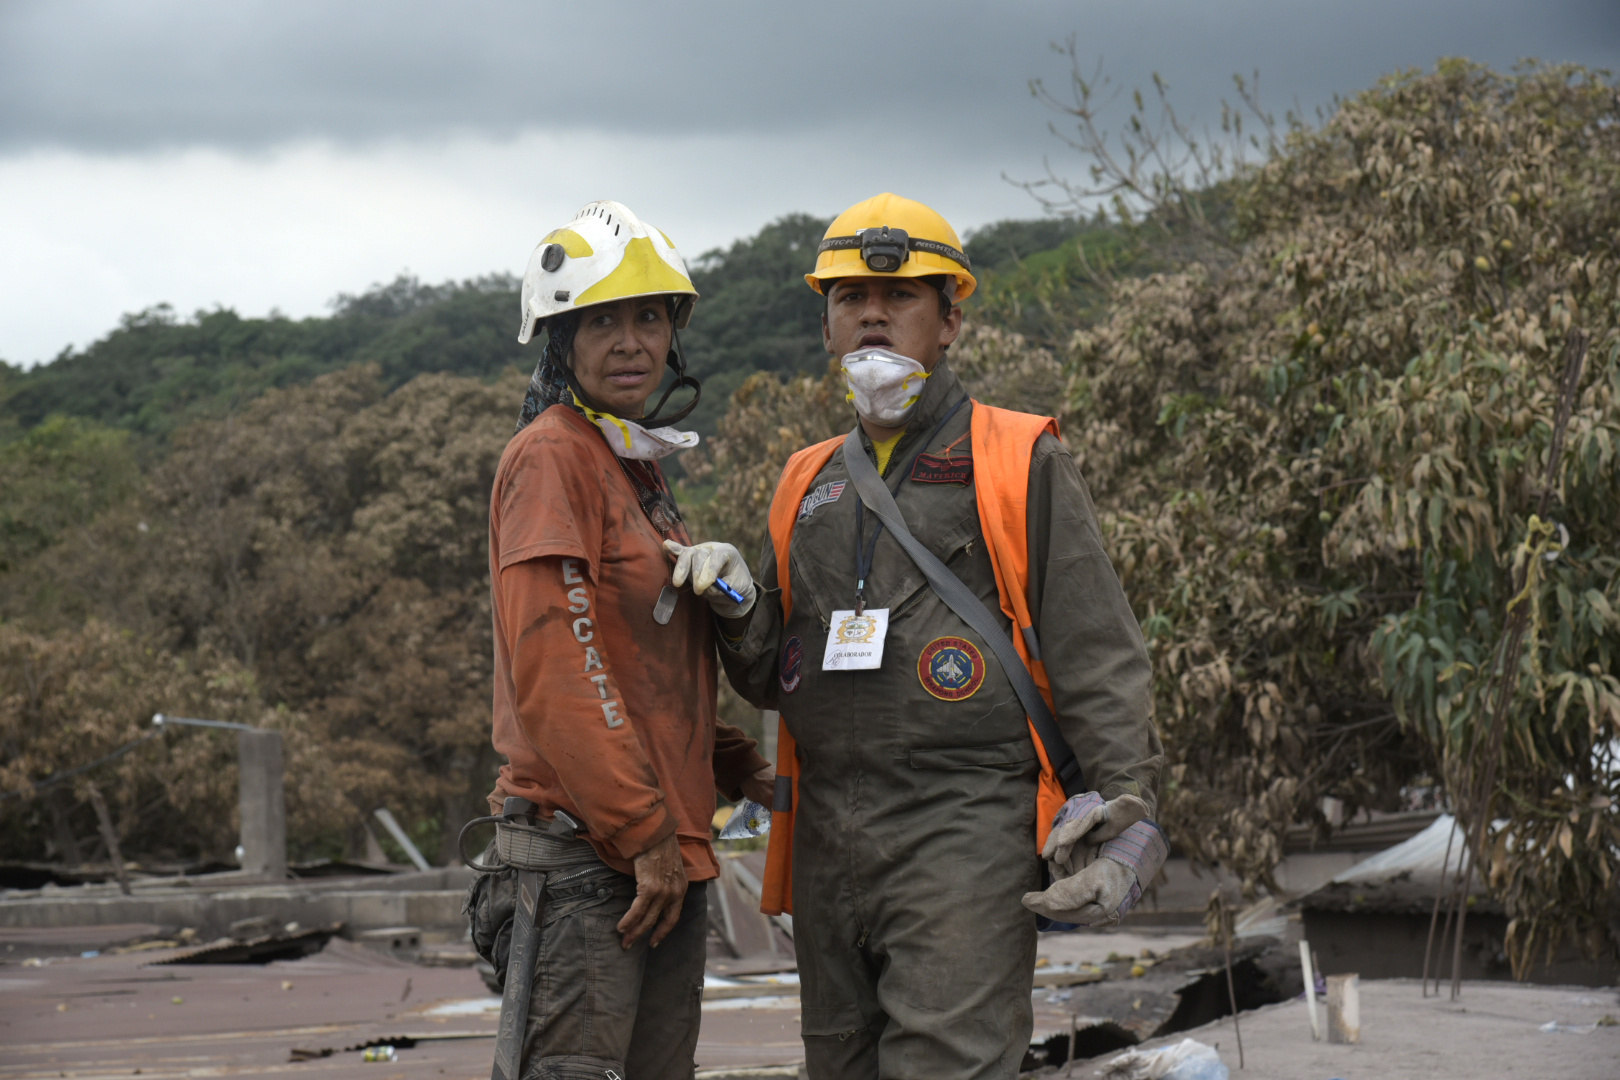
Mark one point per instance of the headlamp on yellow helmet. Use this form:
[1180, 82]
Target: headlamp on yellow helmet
[888, 234]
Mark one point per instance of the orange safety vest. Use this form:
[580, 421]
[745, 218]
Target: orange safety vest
[1002, 442]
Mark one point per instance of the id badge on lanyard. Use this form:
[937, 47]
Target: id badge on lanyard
[855, 640]
[855, 637]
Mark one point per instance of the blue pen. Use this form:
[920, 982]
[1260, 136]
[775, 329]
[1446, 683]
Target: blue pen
[724, 586]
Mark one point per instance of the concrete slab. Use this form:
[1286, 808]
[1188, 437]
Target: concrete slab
[66, 1017]
[424, 900]
[1494, 1031]
[115, 1014]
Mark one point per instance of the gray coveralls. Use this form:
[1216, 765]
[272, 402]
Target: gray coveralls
[914, 835]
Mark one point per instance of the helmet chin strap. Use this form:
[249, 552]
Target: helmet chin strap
[676, 362]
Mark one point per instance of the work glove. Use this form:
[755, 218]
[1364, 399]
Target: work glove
[702, 564]
[1098, 852]
[1086, 821]
[1100, 893]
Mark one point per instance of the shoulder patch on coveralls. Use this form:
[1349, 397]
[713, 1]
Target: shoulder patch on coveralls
[951, 668]
[820, 496]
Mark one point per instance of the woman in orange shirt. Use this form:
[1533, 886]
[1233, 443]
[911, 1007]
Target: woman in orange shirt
[604, 707]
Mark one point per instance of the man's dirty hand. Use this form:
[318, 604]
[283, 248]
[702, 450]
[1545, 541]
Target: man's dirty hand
[761, 787]
[660, 892]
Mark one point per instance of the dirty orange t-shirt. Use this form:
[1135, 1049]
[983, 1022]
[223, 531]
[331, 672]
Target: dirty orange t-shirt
[599, 710]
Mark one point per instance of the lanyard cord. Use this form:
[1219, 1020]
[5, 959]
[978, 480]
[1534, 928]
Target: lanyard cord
[865, 552]
[657, 501]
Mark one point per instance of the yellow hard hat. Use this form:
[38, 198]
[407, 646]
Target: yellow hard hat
[605, 253]
[887, 234]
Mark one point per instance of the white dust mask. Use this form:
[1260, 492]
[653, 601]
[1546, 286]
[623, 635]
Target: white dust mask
[629, 439]
[883, 385]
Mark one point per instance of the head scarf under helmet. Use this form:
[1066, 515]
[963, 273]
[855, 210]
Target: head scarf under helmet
[548, 385]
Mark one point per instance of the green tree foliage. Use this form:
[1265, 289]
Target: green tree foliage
[467, 329]
[1041, 291]
[157, 372]
[755, 313]
[58, 476]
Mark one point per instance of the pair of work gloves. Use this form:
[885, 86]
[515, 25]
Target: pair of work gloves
[1099, 852]
[703, 564]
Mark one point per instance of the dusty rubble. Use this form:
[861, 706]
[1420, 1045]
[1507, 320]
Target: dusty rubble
[1496, 1030]
[122, 1008]
[1133, 997]
[258, 995]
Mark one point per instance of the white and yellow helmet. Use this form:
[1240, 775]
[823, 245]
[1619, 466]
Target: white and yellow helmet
[605, 253]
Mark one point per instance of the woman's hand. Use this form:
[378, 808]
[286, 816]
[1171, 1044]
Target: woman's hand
[660, 892]
[702, 564]
[761, 787]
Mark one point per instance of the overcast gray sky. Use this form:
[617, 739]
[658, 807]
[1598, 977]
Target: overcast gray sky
[262, 155]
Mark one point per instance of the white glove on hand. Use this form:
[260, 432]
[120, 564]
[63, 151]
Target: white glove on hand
[1085, 822]
[702, 564]
[1091, 897]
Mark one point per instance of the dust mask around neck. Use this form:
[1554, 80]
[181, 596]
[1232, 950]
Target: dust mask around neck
[629, 439]
[883, 385]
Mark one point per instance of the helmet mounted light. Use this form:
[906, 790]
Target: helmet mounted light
[884, 249]
[890, 235]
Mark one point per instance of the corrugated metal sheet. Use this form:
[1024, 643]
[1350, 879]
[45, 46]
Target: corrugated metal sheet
[1404, 878]
[1420, 859]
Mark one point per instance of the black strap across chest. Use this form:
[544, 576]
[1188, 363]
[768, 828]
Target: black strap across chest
[875, 496]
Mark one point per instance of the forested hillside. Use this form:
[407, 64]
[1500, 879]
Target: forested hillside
[158, 371]
[1328, 403]
[282, 521]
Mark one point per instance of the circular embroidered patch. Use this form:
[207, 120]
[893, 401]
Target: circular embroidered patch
[792, 666]
[951, 668]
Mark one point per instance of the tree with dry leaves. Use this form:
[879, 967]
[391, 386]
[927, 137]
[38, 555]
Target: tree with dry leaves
[327, 546]
[1318, 463]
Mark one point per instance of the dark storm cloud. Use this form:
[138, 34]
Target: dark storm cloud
[125, 76]
[114, 76]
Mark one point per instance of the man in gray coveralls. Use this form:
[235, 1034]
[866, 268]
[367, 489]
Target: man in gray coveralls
[915, 867]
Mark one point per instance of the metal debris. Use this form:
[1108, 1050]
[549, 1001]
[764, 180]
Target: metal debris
[277, 945]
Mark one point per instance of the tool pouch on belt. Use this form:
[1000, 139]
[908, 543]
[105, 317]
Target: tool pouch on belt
[490, 907]
[491, 903]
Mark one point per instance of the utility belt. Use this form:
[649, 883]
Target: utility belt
[534, 850]
[534, 847]
[525, 841]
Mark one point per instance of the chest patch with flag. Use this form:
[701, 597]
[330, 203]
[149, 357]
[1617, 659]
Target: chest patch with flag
[820, 496]
[951, 668]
